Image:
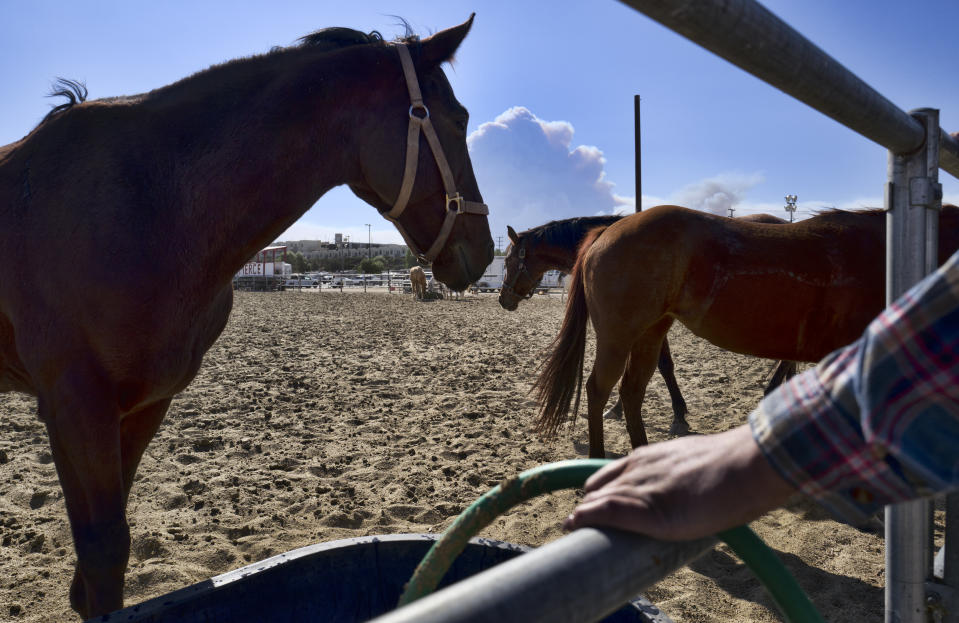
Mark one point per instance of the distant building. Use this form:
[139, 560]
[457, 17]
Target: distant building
[342, 247]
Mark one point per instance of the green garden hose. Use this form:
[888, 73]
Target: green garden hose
[777, 580]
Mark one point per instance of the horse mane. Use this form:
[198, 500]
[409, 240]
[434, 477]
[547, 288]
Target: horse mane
[75, 91]
[840, 211]
[829, 211]
[338, 37]
[569, 232]
[868, 212]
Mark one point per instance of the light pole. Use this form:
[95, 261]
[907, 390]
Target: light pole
[369, 242]
[791, 205]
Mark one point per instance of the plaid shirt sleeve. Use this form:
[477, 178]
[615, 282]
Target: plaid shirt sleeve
[876, 422]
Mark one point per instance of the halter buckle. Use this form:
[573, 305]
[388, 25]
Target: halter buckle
[458, 200]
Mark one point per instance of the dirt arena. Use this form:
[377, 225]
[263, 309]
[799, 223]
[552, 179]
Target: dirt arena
[320, 416]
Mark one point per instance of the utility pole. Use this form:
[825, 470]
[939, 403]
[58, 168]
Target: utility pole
[639, 154]
[499, 243]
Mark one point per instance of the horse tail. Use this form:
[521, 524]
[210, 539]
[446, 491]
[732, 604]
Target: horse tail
[561, 376]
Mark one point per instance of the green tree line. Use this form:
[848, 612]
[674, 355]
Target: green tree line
[372, 265]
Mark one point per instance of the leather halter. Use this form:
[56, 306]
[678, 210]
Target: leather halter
[455, 203]
[509, 287]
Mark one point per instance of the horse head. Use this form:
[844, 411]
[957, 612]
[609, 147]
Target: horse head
[519, 280]
[414, 165]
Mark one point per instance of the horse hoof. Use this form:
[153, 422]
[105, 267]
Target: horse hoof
[679, 429]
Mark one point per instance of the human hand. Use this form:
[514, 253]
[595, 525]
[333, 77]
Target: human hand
[684, 488]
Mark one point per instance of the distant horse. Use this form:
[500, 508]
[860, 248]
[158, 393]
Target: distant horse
[134, 193]
[795, 293]
[554, 246]
[418, 283]
[452, 295]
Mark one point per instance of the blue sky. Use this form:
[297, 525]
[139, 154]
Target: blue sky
[549, 86]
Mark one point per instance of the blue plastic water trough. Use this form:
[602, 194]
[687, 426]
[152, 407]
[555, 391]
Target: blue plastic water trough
[345, 581]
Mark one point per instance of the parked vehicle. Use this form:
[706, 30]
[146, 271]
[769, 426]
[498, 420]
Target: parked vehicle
[300, 281]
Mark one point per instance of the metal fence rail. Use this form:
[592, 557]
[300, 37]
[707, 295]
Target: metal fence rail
[751, 37]
[581, 577]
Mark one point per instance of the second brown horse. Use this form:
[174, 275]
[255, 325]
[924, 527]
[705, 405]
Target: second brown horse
[554, 246]
[791, 293]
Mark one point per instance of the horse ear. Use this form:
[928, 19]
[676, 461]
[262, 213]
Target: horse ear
[440, 47]
[512, 234]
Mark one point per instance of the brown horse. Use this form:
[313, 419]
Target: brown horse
[418, 283]
[554, 246]
[155, 201]
[793, 293]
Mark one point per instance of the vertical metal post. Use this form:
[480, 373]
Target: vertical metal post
[639, 155]
[950, 554]
[913, 199]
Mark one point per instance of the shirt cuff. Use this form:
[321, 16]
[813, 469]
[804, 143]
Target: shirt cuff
[816, 444]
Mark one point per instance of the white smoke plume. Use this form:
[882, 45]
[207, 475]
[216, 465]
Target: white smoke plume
[530, 172]
[717, 194]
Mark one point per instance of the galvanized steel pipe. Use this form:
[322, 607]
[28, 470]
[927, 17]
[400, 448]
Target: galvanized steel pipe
[751, 37]
[560, 573]
[581, 577]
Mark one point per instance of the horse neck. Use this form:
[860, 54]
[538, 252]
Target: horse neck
[557, 246]
[558, 242]
[546, 255]
[258, 166]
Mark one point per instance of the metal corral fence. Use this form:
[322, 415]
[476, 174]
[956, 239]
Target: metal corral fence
[750, 36]
[259, 283]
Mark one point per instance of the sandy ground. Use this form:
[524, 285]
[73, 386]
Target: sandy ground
[320, 416]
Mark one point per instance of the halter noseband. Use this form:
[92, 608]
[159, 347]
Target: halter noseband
[455, 203]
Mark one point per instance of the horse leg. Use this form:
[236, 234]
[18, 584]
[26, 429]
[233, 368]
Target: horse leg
[607, 369]
[84, 432]
[136, 431]
[784, 370]
[639, 370]
[615, 412]
[679, 426]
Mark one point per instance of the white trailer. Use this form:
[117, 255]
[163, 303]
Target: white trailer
[493, 276]
[551, 279]
[492, 279]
